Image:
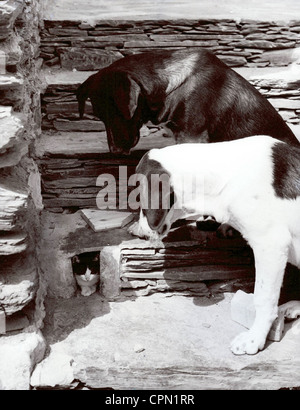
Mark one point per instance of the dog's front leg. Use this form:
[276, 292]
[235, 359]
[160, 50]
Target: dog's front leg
[270, 263]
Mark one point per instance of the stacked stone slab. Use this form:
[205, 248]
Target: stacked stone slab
[19, 188]
[245, 43]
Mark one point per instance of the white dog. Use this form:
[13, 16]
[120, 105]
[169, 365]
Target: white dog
[252, 184]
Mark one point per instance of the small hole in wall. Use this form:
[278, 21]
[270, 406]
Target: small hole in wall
[86, 269]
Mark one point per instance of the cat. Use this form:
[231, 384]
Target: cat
[86, 269]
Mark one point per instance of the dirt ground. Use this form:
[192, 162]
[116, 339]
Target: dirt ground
[172, 9]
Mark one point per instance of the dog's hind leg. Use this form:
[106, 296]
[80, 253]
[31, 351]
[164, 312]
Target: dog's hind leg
[271, 254]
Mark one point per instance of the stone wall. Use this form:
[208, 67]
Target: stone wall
[20, 198]
[245, 43]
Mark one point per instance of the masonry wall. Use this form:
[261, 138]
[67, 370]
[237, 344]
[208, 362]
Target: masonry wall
[20, 123]
[245, 43]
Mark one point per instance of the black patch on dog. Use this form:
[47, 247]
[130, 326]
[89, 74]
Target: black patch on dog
[286, 160]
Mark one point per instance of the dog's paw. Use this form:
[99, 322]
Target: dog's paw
[135, 230]
[290, 310]
[143, 233]
[247, 343]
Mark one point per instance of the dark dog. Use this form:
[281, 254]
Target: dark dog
[192, 92]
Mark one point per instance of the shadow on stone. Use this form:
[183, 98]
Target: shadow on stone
[66, 315]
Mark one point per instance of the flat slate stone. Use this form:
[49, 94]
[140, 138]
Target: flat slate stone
[104, 220]
[185, 344]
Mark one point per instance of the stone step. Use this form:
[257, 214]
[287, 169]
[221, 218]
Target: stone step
[158, 342]
[90, 144]
[70, 164]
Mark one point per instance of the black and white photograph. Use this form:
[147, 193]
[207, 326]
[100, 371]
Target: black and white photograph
[149, 197]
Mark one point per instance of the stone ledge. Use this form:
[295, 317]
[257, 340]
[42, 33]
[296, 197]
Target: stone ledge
[9, 81]
[163, 342]
[14, 243]
[78, 144]
[60, 77]
[12, 128]
[12, 144]
[13, 205]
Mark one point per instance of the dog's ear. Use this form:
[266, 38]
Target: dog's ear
[160, 194]
[126, 94]
[82, 95]
[156, 217]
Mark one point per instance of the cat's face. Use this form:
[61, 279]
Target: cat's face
[86, 264]
[86, 268]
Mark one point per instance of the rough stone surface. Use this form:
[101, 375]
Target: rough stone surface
[12, 206]
[9, 10]
[12, 148]
[237, 43]
[20, 199]
[110, 271]
[183, 344]
[19, 356]
[18, 282]
[55, 370]
[75, 58]
[64, 236]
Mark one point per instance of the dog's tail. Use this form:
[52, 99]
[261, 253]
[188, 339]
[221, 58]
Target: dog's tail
[82, 94]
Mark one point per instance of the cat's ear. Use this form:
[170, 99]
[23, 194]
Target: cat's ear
[75, 259]
[96, 258]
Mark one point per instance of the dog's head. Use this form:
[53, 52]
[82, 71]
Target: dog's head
[116, 100]
[157, 195]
